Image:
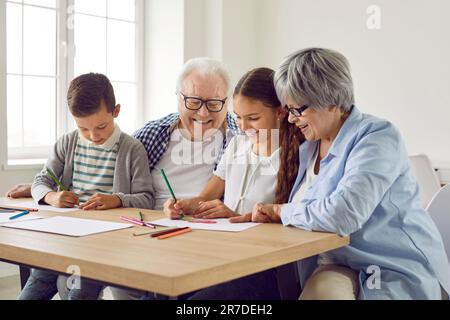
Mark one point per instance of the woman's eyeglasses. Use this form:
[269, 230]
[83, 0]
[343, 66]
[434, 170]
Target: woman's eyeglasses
[297, 111]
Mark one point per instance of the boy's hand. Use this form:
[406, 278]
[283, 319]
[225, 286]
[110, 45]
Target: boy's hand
[102, 202]
[19, 191]
[63, 199]
[213, 209]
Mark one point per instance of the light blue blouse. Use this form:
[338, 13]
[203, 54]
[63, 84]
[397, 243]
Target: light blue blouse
[365, 189]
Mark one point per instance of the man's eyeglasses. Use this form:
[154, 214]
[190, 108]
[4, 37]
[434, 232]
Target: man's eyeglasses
[297, 112]
[194, 103]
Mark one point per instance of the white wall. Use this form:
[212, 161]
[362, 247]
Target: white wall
[223, 29]
[400, 71]
[164, 54]
[194, 42]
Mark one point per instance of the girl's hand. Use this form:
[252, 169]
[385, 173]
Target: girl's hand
[213, 209]
[243, 218]
[266, 213]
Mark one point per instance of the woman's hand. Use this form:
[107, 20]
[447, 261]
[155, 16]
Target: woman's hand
[266, 213]
[175, 210]
[213, 209]
[102, 202]
[19, 191]
[243, 218]
[63, 199]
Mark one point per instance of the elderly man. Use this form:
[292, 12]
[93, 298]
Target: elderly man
[188, 144]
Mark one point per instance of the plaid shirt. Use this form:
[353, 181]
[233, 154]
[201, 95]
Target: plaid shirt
[155, 136]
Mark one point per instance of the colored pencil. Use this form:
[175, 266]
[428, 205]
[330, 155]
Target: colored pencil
[175, 233]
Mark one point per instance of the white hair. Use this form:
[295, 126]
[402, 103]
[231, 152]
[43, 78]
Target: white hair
[317, 77]
[206, 67]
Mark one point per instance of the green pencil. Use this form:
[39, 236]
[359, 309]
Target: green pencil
[170, 189]
[168, 185]
[55, 179]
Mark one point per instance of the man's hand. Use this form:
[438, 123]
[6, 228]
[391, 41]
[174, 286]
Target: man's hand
[175, 210]
[19, 191]
[102, 202]
[213, 209]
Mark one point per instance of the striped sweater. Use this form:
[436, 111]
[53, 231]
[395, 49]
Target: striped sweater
[93, 166]
[132, 182]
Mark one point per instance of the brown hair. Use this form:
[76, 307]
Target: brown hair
[258, 84]
[87, 92]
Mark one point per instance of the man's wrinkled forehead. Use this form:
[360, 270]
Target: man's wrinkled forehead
[200, 85]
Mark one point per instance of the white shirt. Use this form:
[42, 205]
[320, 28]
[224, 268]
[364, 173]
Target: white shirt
[308, 180]
[188, 165]
[249, 178]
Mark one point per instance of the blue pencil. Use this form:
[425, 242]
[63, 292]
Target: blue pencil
[19, 215]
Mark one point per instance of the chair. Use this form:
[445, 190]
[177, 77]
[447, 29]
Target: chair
[426, 177]
[439, 210]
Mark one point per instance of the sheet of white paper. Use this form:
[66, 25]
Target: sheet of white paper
[33, 205]
[74, 227]
[220, 225]
[4, 217]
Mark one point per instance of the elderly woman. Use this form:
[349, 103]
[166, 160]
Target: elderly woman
[354, 179]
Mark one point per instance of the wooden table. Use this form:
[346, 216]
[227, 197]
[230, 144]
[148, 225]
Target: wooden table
[172, 266]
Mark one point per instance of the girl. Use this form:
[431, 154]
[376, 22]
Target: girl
[248, 170]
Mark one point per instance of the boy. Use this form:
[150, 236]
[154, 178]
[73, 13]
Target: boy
[101, 167]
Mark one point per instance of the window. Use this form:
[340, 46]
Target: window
[49, 43]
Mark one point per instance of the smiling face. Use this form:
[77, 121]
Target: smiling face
[199, 122]
[99, 126]
[255, 119]
[317, 124]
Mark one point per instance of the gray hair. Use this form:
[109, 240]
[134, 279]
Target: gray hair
[206, 67]
[317, 77]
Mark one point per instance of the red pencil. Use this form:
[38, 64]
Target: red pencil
[163, 232]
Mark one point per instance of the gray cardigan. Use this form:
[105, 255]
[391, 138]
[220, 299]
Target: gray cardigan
[132, 181]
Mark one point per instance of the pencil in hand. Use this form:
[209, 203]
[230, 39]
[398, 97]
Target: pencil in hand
[170, 189]
[56, 180]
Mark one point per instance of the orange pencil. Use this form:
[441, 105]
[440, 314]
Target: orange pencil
[175, 233]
